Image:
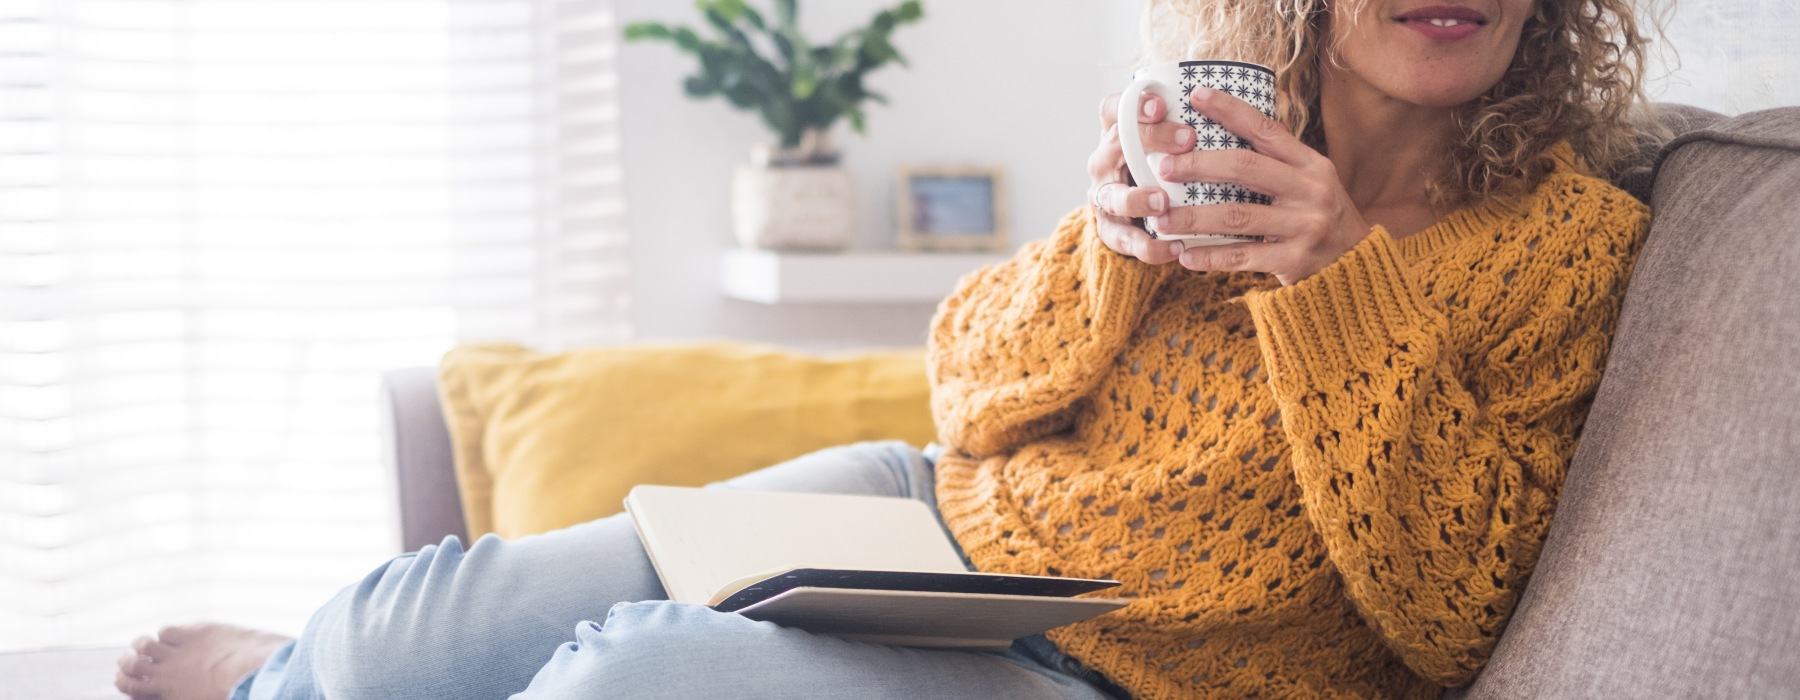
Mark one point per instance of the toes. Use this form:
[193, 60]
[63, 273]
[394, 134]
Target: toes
[134, 665]
[149, 646]
[138, 687]
[137, 665]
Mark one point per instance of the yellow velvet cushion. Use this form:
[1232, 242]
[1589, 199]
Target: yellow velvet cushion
[544, 441]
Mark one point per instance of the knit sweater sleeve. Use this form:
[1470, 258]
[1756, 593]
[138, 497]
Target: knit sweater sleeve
[1430, 470]
[1019, 343]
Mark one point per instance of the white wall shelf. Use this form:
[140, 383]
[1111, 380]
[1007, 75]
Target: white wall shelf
[770, 277]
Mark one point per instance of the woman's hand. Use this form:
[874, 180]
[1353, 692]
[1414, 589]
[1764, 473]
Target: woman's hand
[1117, 203]
[1310, 223]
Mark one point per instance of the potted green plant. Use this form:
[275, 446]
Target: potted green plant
[793, 194]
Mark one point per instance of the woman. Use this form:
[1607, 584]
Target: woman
[1322, 464]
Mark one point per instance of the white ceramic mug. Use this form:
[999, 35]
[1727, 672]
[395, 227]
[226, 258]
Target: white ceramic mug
[1173, 82]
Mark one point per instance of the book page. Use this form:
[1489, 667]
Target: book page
[702, 540]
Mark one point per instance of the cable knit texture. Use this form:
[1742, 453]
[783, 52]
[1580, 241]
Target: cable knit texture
[1332, 489]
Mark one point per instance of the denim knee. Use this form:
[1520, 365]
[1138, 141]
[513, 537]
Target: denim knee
[909, 464]
[910, 468]
[380, 638]
[663, 649]
[887, 468]
[657, 650]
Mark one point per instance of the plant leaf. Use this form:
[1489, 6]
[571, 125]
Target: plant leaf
[718, 18]
[687, 40]
[877, 50]
[805, 86]
[744, 96]
[762, 74]
[700, 86]
[640, 31]
[755, 19]
[792, 85]
[729, 9]
[884, 22]
[909, 12]
[783, 45]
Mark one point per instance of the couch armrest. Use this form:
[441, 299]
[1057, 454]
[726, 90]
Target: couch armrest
[418, 448]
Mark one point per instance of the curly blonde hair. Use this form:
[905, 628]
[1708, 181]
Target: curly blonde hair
[1577, 76]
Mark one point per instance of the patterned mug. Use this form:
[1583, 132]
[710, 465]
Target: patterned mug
[1173, 82]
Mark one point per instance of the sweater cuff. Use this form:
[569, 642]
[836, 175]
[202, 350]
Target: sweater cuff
[1118, 280]
[1348, 317]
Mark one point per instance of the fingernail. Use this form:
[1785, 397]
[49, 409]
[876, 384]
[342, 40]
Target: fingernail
[1149, 108]
[1158, 200]
[1202, 93]
[1184, 138]
[1162, 224]
[1177, 247]
[1164, 168]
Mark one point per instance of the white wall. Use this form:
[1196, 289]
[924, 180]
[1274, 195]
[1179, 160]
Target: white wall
[995, 82]
[992, 82]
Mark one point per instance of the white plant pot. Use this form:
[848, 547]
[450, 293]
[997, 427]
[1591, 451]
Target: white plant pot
[793, 207]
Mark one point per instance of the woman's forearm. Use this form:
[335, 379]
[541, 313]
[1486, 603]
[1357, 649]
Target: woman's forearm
[1020, 342]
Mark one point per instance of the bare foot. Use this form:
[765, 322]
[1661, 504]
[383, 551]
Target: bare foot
[193, 662]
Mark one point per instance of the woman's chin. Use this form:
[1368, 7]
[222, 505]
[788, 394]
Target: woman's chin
[1443, 97]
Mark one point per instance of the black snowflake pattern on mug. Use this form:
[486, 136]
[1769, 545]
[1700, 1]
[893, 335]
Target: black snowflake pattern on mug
[1253, 86]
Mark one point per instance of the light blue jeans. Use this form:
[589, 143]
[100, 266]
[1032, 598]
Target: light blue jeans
[579, 613]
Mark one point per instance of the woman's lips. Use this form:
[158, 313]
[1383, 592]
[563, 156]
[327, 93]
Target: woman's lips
[1444, 23]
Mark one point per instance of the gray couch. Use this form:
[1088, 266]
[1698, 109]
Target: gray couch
[1673, 565]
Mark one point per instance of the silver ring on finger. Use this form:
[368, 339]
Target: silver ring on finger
[1098, 201]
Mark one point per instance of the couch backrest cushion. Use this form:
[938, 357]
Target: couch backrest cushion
[1673, 566]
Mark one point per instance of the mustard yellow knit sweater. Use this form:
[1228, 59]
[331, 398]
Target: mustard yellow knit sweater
[1333, 489]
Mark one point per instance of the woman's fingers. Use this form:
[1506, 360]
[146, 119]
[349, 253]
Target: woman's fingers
[1150, 110]
[1130, 241]
[1310, 223]
[1237, 257]
[1167, 137]
[1122, 200]
[1238, 166]
[1270, 223]
[1268, 136]
[1116, 203]
[1274, 168]
[1108, 160]
[1159, 136]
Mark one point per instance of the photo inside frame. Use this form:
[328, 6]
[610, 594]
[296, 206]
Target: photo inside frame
[952, 204]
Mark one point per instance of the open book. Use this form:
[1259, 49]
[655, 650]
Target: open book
[859, 567]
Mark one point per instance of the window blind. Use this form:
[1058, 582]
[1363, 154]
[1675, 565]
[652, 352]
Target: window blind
[220, 220]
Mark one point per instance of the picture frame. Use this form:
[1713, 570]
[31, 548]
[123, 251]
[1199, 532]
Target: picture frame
[950, 208]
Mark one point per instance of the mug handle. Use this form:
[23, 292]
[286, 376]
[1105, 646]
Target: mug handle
[1132, 142]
